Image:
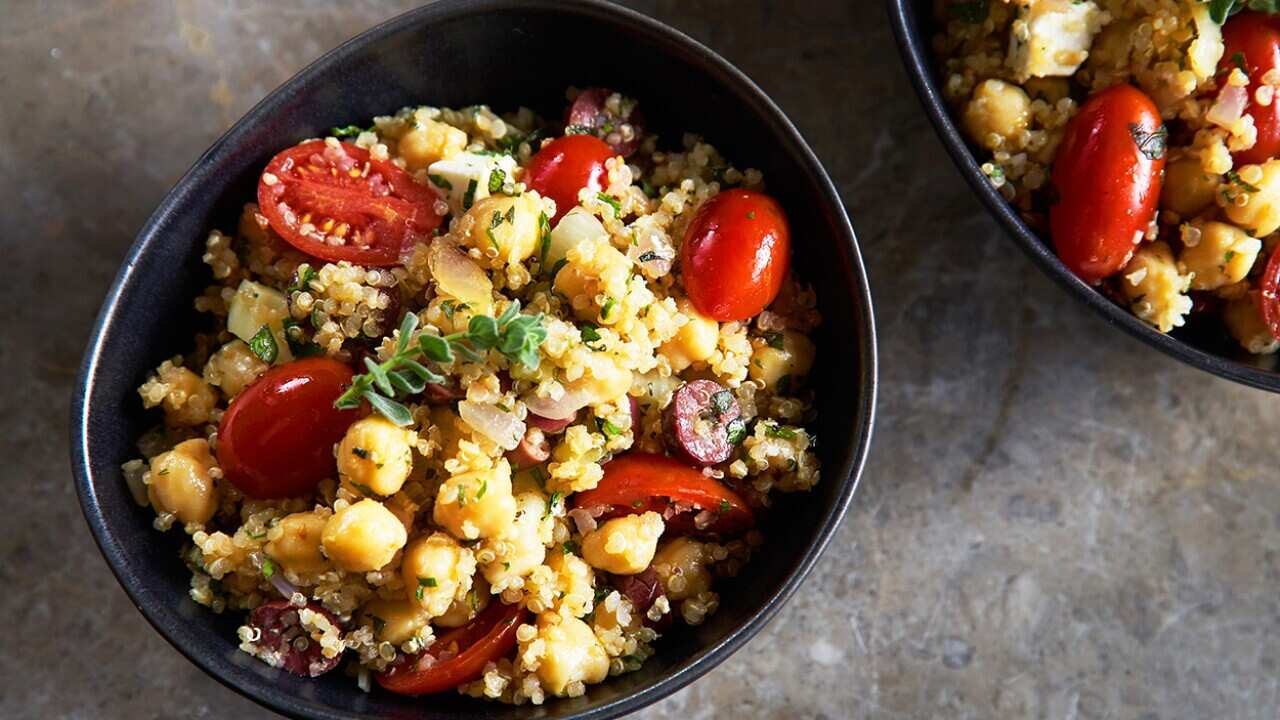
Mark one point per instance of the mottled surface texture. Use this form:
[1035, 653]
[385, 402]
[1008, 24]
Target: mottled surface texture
[1054, 522]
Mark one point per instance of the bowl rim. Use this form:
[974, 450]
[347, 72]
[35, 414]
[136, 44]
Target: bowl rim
[917, 57]
[675, 41]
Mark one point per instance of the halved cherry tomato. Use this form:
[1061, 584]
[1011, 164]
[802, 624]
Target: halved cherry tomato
[1269, 298]
[1252, 42]
[565, 166]
[1107, 177]
[735, 255]
[276, 440]
[489, 636]
[337, 203]
[639, 482]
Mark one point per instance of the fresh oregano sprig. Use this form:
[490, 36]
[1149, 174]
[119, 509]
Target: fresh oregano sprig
[512, 334]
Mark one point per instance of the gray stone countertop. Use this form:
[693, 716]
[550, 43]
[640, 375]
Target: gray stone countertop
[1055, 522]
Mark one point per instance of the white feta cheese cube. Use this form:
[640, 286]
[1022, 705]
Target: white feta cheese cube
[1051, 38]
[465, 177]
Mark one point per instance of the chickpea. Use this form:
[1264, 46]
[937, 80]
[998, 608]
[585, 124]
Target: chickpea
[695, 341]
[395, 621]
[429, 142]
[1155, 288]
[997, 114]
[464, 609]
[363, 537]
[681, 565]
[575, 583]
[572, 653]
[376, 456]
[187, 399]
[769, 364]
[180, 483]
[625, 545]
[523, 546]
[1244, 321]
[476, 504]
[233, 368]
[436, 571]
[604, 381]
[593, 268]
[1260, 216]
[1223, 256]
[295, 542]
[507, 226]
[1187, 188]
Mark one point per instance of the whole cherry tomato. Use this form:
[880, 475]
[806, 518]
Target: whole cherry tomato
[1269, 297]
[466, 650]
[1252, 43]
[565, 166]
[735, 255]
[313, 193]
[639, 482]
[1107, 179]
[276, 440]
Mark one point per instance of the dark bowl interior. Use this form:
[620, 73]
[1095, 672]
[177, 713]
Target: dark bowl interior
[505, 54]
[1203, 343]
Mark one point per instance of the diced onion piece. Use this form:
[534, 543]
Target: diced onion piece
[1230, 105]
[503, 428]
[1206, 50]
[577, 226]
[457, 275]
[561, 408]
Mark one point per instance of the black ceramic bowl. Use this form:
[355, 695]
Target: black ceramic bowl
[456, 53]
[1202, 344]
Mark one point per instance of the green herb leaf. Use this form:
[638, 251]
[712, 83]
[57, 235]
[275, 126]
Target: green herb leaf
[496, 179]
[612, 202]
[390, 409]
[268, 568]
[775, 340]
[302, 278]
[1150, 142]
[263, 344]
[469, 197]
[440, 182]
[347, 131]
[736, 431]
[779, 431]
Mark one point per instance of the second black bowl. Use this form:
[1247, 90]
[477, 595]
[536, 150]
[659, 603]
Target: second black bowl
[504, 53]
[1205, 346]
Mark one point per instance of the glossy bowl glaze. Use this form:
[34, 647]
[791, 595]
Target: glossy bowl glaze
[1202, 343]
[456, 53]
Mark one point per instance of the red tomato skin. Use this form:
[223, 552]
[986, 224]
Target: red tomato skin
[490, 636]
[276, 440]
[402, 211]
[1269, 294]
[638, 482]
[1107, 188]
[1254, 36]
[735, 255]
[565, 166]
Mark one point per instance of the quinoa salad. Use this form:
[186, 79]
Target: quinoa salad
[1142, 137]
[483, 403]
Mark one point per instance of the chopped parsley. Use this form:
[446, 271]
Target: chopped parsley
[263, 344]
[779, 431]
[440, 182]
[348, 131]
[496, 179]
[611, 202]
[775, 340]
[302, 278]
[608, 428]
[469, 197]
[424, 583]
[364, 489]
[569, 547]
[360, 453]
[268, 568]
